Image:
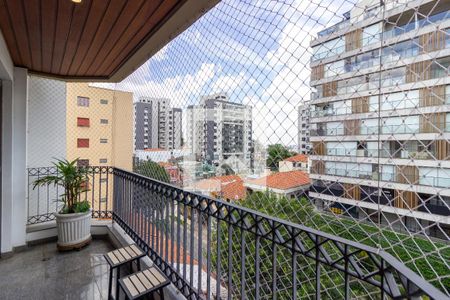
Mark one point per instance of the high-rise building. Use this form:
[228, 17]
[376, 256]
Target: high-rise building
[99, 125]
[380, 116]
[157, 124]
[219, 132]
[304, 145]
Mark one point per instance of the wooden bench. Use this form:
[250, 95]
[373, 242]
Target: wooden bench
[120, 257]
[144, 283]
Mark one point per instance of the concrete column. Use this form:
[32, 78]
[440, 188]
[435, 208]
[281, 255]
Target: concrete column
[6, 209]
[19, 156]
[14, 115]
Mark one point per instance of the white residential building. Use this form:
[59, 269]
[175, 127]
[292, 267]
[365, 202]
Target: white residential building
[219, 132]
[380, 116]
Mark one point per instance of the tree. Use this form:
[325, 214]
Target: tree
[277, 152]
[408, 249]
[153, 170]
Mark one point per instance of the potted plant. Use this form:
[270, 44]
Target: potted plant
[73, 221]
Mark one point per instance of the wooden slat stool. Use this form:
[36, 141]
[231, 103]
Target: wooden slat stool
[119, 257]
[144, 283]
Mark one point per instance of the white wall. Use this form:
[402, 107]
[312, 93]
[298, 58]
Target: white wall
[46, 121]
[14, 146]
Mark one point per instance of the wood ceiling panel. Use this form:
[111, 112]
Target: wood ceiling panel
[7, 30]
[77, 26]
[97, 39]
[17, 16]
[138, 23]
[33, 23]
[121, 53]
[103, 31]
[96, 15]
[127, 17]
[48, 17]
[63, 20]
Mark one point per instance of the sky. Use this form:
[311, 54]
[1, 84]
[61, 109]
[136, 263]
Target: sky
[257, 52]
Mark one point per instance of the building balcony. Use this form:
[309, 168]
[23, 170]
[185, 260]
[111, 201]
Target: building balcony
[207, 248]
[52, 275]
[198, 242]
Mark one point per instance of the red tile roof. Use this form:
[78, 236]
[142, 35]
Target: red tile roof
[298, 158]
[234, 190]
[227, 178]
[153, 149]
[283, 180]
[229, 187]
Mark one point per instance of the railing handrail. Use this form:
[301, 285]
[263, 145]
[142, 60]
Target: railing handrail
[390, 286]
[43, 198]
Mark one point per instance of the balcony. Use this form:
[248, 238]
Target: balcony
[195, 240]
[52, 275]
[255, 246]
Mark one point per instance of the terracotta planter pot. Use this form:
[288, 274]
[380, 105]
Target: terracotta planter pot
[74, 230]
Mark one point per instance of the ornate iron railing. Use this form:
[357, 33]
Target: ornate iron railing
[213, 249]
[43, 202]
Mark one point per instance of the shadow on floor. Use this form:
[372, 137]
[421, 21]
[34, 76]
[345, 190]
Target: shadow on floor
[41, 272]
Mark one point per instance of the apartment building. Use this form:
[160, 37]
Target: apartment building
[219, 132]
[380, 116]
[157, 124]
[99, 126]
[304, 145]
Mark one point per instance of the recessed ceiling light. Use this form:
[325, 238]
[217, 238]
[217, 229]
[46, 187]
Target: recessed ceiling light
[76, 1]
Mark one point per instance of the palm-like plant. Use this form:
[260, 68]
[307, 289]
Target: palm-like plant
[74, 181]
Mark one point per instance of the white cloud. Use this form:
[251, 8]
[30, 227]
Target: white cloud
[227, 83]
[178, 88]
[274, 121]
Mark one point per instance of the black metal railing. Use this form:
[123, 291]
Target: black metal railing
[214, 249]
[43, 202]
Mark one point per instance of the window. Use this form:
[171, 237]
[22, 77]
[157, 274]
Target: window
[341, 148]
[83, 163]
[387, 173]
[371, 34]
[334, 68]
[103, 160]
[335, 128]
[329, 48]
[103, 200]
[83, 101]
[83, 122]
[369, 126]
[83, 143]
[103, 180]
[434, 177]
[409, 124]
[103, 101]
[103, 141]
[103, 121]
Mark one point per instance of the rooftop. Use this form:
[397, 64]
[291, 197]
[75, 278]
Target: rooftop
[282, 180]
[229, 187]
[298, 158]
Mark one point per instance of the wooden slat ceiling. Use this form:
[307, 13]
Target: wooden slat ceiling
[93, 40]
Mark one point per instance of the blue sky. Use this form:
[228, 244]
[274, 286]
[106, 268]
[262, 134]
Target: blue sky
[255, 51]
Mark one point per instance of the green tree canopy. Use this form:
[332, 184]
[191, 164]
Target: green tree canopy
[276, 153]
[153, 170]
[302, 211]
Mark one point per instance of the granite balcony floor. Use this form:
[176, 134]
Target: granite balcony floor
[41, 272]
